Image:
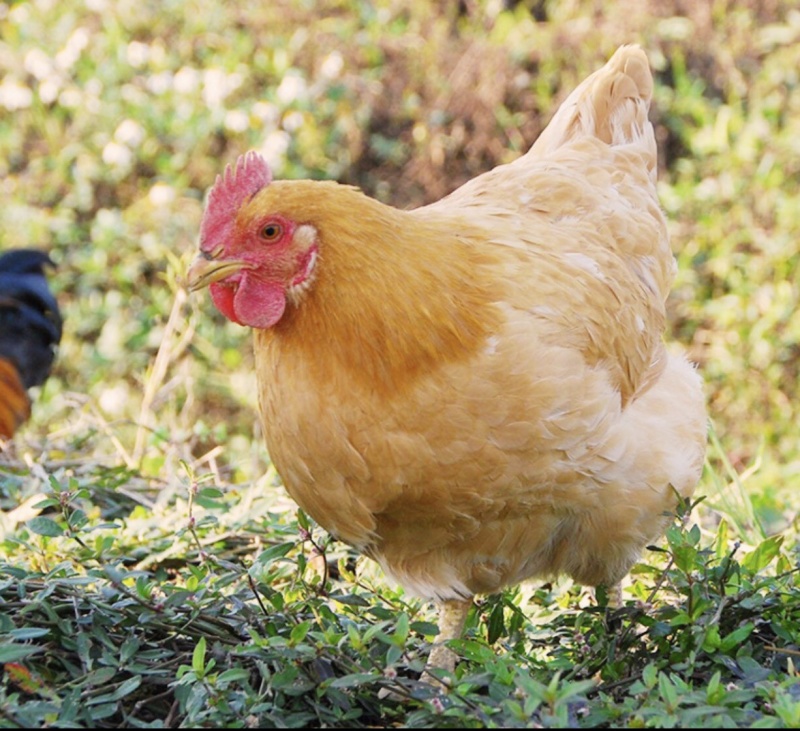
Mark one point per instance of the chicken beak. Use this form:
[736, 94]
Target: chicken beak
[205, 271]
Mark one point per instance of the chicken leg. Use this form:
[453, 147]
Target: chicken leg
[615, 600]
[452, 616]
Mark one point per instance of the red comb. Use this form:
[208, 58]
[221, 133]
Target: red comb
[250, 174]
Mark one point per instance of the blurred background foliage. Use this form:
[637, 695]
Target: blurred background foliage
[115, 118]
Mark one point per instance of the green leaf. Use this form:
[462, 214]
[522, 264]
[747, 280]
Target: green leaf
[354, 680]
[233, 675]
[472, 650]
[401, 630]
[78, 519]
[101, 676]
[10, 652]
[721, 546]
[28, 633]
[685, 558]
[393, 654]
[299, 632]
[753, 671]
[199, 658]
[759, 558]
[208, 498]
[351, 600]
[130, 685]
[126, 688]
[650, 676]
[274, 552]
[211, 492]
[44, 526]
[302, 520]
[575, 688]
[668, 691]
[735, 638]
[425, 628]
[712, 641]
[715, 692]
[497, 625]
[284, 678]
[128, 650]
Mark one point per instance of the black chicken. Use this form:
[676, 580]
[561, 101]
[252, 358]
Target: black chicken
[30, 329]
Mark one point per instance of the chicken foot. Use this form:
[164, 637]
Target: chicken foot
[452, 616]
[615, 597]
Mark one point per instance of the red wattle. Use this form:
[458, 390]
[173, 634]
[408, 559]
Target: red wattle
[250, 301]
[222, 296]
[258, 303]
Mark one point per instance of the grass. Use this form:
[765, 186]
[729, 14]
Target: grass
[152, 570]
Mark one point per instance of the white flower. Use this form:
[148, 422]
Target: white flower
[275, 147]
[19, 14]
[267, 113]
[71, 52]
[293, 121]
[130, 133]
[214, 91]
[70, 98]
[38, 64]
[14, 95]
[94, 87]
[48, 91]
[186, 80]
[137, 53]
[161, 194]
[236, 120]
[217, 86]
[332, 66]
[117, 155]
[160, 83]
[293, 87]
[115, 399]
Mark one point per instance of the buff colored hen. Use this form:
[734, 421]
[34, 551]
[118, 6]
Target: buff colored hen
[475, 392]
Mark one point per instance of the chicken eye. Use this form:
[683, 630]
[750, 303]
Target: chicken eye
[271, 232]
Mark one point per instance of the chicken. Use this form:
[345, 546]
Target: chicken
[475, 392]
[30, 328]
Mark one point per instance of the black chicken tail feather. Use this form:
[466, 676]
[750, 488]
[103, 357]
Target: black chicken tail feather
[30, 329]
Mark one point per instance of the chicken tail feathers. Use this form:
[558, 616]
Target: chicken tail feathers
[611, 105]
[30, 328]
[15, 407]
